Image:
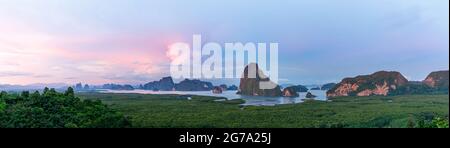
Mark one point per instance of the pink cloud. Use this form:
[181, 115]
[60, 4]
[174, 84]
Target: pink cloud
[89, 58]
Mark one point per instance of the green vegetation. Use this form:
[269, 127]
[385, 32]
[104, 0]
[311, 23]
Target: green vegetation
[430, 121]
[56, 110]
[418, 111]
[416, 89]
[63, 110]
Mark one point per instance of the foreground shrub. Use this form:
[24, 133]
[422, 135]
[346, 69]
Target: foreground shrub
[56, 110]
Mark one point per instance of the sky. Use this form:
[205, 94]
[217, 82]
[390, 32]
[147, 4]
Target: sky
[126, 41]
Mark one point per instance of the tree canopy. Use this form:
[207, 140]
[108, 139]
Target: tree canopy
[56, 110]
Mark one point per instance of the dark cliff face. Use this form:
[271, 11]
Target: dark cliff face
[290, 92]
[438, 80]
[165, 84]
[299, 88]
[379, 83]
[117, 87]
[233, 87]
[193, 85]
[328, 86]
[435, 83]
[309, 95]
[251, 86]
[217, 90]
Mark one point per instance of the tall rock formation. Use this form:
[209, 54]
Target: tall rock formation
[251, 86]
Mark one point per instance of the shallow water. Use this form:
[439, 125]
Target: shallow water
[249, 100]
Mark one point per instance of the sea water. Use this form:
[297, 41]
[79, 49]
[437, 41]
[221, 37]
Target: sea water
[230, 95]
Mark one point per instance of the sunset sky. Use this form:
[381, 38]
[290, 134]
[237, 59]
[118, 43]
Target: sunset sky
[126, 41]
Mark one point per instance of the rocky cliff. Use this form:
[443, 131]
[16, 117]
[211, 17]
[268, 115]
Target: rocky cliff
[165, 84]
[437, 80]
[379, 83]
[290, 92]
[250, 86]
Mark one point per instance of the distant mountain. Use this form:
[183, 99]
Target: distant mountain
[327, 86]
[117, 87]
[435, 83]
[233, 87]
[438, 80]
[290, 91]
[165, 84]
[391, 83]
[296, 88]
[193, 85]
[81, 87]
[379, 83]
[413, 88]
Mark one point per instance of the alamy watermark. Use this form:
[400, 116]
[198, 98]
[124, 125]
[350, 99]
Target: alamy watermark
[210, 60]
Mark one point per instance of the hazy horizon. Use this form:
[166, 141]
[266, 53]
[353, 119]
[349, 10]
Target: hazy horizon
[125, 42]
